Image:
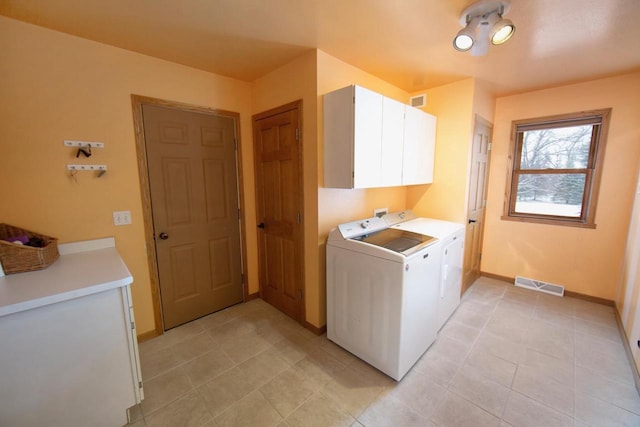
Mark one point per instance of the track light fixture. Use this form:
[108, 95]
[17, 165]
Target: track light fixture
[483, 23]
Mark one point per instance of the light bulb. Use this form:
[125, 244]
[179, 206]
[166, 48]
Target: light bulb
[463, 42]
[502, 31]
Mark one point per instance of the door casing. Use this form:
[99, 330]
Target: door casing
[143, 173]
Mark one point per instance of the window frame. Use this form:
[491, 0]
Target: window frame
[599, 119]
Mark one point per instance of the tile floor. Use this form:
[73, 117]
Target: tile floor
[507, 357]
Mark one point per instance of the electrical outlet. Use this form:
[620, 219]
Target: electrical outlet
[121, 217]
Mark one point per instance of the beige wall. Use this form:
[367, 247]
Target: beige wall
[484, 102]
[446, 198]
[336, 206]
[308, 78]
[292, 82]
[587, 261]
[55, 87]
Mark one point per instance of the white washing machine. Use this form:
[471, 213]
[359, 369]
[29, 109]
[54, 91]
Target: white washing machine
[451, 235]
[382, 293]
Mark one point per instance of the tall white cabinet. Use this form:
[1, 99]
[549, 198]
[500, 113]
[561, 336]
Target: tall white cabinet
[374, 141]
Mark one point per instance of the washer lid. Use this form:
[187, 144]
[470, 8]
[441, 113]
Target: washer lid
[401, 241]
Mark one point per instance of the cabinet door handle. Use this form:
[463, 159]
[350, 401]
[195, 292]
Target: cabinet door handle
[472, 221]
[261, 225]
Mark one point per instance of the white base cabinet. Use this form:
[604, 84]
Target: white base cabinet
[69, 355]
[374, 141]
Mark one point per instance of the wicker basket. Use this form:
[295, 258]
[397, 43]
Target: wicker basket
[19, 258]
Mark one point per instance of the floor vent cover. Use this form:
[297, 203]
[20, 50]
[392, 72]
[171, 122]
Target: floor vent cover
[536, 285]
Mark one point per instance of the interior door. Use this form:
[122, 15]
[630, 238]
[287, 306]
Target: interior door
[477, 201]
[194, 197]
[278, 170]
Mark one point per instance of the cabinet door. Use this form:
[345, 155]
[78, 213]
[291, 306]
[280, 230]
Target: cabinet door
[392, 142]
[367, 149]
[338, 138]
[419, 146]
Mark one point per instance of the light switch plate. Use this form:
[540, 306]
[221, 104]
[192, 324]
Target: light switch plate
[121, 217]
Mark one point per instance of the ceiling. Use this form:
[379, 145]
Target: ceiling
[405, 42]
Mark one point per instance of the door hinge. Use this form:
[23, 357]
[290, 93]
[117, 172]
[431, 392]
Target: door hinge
[242, 278]
[139, 384]
[297, 134]
[235, 144]
[239, 214]
[489, 147]
[299, 218]
[300, 294]
[133, 326]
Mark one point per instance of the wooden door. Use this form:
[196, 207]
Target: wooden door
[278, 170]
[477, 201]
[194, 197]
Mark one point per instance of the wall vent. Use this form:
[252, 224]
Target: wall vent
[418, 100]
[537, 285]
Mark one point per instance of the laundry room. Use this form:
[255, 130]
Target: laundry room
[63, 83]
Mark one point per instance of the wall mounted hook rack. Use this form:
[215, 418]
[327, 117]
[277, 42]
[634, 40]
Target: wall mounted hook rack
[79, 144]
[87, 167]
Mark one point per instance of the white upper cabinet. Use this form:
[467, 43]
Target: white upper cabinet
[419, 147]
[371, 140]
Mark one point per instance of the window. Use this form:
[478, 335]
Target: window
[557, 163]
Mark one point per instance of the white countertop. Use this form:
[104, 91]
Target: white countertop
[84, 268]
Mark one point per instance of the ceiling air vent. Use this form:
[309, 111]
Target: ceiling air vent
[418, 100]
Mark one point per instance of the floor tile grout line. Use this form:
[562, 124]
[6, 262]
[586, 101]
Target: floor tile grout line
[464, 361]
[194, 387]
[472, 347]
[475, 404]
[516, 372]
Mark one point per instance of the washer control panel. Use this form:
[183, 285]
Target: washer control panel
[398, 217]
[361, 226]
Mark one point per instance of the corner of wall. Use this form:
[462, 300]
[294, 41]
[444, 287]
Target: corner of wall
[453, 106]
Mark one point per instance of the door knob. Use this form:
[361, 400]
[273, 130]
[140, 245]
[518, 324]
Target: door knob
[472, 221]
[261, 225]
[163, 236]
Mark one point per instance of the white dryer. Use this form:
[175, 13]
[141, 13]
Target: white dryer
[382, 293]
[451, 235]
